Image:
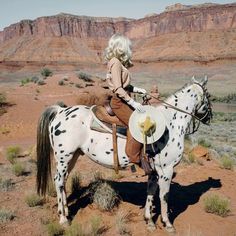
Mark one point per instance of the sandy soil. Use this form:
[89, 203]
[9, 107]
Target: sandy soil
[190, 186]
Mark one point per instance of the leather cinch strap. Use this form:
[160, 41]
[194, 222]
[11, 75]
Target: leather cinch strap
[115, 154]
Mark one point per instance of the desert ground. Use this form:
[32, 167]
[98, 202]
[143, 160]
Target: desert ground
[194, 179]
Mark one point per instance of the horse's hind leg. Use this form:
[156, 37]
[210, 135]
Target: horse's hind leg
[60, 182]
[164, 185]
[151, 191]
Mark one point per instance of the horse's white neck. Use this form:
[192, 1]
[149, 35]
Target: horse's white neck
[185, 100]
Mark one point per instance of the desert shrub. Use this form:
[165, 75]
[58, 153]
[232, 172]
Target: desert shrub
[85, 77]
[12, 153]
[104, 196]
[18, 169]
[227, 163]
[6, 215]
[33, 200]
[229, 98]
[25, 81]
[35, 79]
[204, 143]
[45, 72]
[122, 220]
[75, 183]
[96, 226]
[78, 86]
[66, 78]
[217, 205]
[75, 229]
[54, 229]
[3, 98]
[6, 185]
[41, 82]
[61, 82]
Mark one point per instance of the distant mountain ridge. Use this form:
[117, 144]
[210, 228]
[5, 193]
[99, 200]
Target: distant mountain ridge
[196, 33]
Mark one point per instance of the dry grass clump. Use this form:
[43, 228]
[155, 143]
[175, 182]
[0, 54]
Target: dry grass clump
[12, 153]
[217, 205]
[92, 228]
[18, 169]
[104, 196]
[227, 163]
[203, 142]
[85, 77]
[6, 185]
[33, 200]
[6, 215]
[122, 221]
[54, 229]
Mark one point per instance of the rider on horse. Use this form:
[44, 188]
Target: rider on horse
[118, 56]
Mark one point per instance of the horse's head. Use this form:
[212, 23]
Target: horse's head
[203, 109]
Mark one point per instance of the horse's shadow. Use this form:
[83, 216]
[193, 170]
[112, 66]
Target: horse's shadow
[180, 196]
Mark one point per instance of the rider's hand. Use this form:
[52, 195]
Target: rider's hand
[139, 90]
[136, 105]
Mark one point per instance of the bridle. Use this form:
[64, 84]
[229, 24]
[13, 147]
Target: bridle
[198, 117]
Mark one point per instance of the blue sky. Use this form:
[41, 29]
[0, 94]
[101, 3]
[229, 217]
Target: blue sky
[12, 11]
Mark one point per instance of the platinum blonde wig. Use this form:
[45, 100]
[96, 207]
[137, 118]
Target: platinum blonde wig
[119, 46]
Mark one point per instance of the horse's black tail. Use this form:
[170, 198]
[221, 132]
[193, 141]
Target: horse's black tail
[44, 149]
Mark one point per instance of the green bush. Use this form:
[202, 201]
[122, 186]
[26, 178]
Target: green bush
[227, 163]
[25, 81]
[85, 77]
[12, 153]
[18, 169]
[217, 205]
[33, 200]
[6, 215]
[45, 72]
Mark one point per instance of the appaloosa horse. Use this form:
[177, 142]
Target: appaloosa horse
[67, 132]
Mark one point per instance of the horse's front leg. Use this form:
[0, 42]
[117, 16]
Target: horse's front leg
[151, 191]
[164, 185]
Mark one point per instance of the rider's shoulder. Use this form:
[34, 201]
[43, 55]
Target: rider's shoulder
[114, 61]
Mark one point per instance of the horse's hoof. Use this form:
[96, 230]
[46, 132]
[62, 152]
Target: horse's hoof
[170, 229]
[151, 226]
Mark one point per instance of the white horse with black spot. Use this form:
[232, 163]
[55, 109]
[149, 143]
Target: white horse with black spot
[67, 132]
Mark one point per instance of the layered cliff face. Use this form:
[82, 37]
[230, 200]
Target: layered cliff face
[197, 33]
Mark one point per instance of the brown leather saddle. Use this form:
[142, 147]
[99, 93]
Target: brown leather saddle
[102, 114]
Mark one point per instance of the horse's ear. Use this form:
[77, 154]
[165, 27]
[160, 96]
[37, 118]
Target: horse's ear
[204, 81]
[194, 80]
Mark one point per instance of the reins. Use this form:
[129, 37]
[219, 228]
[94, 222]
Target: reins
[175, 108]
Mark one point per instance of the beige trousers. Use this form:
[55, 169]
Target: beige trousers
[133, 148]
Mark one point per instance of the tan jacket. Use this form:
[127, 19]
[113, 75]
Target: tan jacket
[118, 78]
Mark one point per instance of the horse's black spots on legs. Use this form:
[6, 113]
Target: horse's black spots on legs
[60, 145]
[166, 154]
[91, 140]
[59, 212]
[107, 152]
[94, 154]
[173, 139]
[166, 196]
[73, 116]
[62, 151]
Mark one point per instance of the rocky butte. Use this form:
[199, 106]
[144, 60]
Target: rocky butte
[201, 33]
